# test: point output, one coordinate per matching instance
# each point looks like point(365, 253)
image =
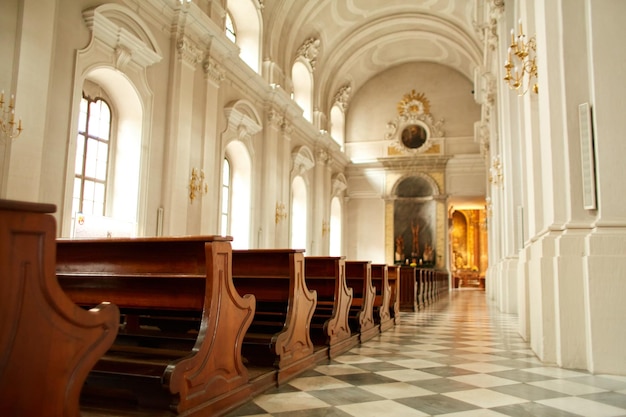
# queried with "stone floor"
point(459, 357)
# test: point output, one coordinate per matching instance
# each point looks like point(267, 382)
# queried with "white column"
point(605, 248)
point(177, 169)
point(29, 79)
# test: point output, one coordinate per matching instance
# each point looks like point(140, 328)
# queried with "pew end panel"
point(380, 281)
point(280, 330)
point(359, 278)
point(394, 284)
point(327, 276)
point(179, 347)
point(48, 344)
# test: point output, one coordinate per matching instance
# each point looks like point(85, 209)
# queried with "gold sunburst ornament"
point(413, 104)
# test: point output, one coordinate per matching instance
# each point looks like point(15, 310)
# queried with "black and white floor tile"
point(458, 357)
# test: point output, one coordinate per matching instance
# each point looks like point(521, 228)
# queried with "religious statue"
point(415, 229)
point(428, 254)
point(399, 248)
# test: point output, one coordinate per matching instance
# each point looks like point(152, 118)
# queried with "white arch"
point(121, 48)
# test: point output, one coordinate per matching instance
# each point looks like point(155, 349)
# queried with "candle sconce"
point(197, 185)
point(281, 213)
point(521, 63)
point(7, 118)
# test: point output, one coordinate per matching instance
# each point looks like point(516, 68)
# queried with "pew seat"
point(279, 336)
point(361, 319)
point(329, 327)
point(48, 344)
point(182, 321)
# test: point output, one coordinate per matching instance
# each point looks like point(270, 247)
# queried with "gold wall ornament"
point(325, 228)
point(495, 172)
point(521, 63)
point(7, 118)
point(413, 103)
point(197, 185)
point(281, 212)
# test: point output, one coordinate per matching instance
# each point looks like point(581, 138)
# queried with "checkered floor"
point(458, 357)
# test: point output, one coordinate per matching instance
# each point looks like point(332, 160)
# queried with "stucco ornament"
point(414, 127)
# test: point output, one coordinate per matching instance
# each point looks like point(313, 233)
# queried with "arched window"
point(238, 207)
point(298, 214)
point(335, 228)
point(337, 125)
point(229, 28)
point(244, 19)
point(92, 157)
point(226, 199)
point(302, 88)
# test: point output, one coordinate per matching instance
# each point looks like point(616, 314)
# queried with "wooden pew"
point(48, 344)
point(409, 288)
point(393, 275)
point(380, 281)
point(327, 276)
point(422, 284)
point(359, 278)
point(279, 336)
point(179, 346)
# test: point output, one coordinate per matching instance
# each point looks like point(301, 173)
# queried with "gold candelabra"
point(7, 118)
point(197, 185)
point(521, 64)
point(281, 213)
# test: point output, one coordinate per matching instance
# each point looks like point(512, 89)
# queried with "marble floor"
point(459, 357)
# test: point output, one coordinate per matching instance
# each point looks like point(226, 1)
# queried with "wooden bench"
point(279, 335)
point(48, 344)
point(327, 276)
point(183, 322)
point(409, 288)
point(393, 275)
point(359, 278)
point(380, 281)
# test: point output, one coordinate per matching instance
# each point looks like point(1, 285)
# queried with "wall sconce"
point(495, 172)
point(7, 118)
point(281, 213)
point(325, 228)
point(197, 184)
point(521, 65)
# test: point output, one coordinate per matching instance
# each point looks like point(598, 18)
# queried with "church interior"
point(470, 142)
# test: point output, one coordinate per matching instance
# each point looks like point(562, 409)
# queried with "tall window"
point(226, 197)
point(92, 156)
point(231, 33)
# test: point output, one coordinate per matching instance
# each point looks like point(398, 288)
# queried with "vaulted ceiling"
point(362, 38)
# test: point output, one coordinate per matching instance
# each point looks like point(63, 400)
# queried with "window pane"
point(226, 173)
point(89, 190)
point(224, 225)
point(98, 196)
point(92, 158)
point(225, 200)
point(80, 149)
point(105, 121)
point(94, 118)
point(82, 116)
point(230, 29)
point(101, 161)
